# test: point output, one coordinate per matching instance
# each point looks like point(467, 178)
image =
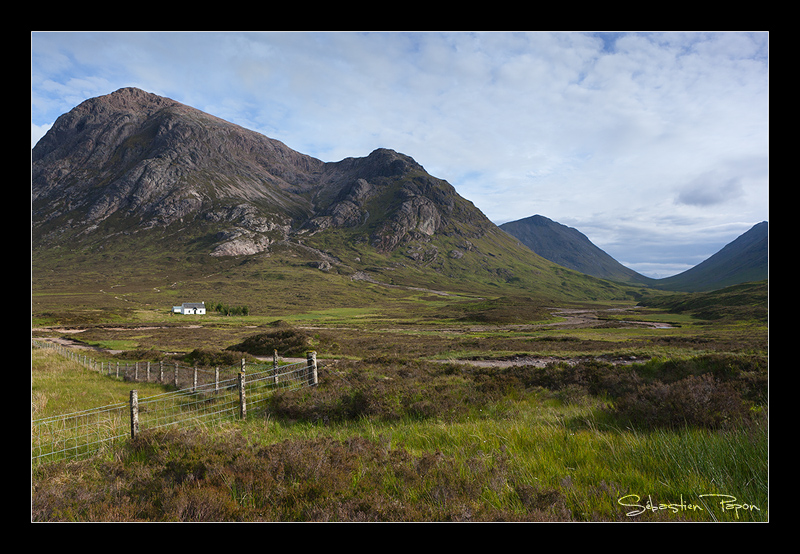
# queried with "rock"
point(323, 265)
point(241, 247)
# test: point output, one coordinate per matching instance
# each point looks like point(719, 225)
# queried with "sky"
point(653, 145)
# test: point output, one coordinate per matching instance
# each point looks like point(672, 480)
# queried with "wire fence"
point(207, 397)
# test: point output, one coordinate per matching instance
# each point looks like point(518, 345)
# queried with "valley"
point(462, 375)
point(355, 319)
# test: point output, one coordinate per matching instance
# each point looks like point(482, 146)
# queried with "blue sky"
point(654, 145)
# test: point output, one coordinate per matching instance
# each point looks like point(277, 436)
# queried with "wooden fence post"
point(275, 366)
point(134, 413)
point(216, 379)
point(176, 374)
point(311, 359)
point(242, 397)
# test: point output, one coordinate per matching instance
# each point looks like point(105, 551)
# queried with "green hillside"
point(744, 259)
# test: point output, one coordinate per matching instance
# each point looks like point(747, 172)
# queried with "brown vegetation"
point(187, 476)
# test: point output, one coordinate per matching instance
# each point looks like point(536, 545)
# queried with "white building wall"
point(190, 308)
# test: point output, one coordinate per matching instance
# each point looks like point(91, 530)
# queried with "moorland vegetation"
point(463, 409)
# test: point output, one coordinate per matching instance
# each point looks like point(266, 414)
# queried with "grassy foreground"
point(394, 439)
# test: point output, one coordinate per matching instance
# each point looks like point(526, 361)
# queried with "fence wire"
point(78, 435)
point(205, 399)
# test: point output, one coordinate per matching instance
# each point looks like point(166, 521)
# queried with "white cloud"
point(37, 132)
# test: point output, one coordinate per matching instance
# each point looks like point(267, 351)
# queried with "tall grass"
point(397, 440)
point(61, 386)
point(552, 446)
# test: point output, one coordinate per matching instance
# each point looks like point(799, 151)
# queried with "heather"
point(393, 439)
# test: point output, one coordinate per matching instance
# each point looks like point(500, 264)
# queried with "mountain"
point(570, 248)
point(135, 161)
point(743, 260)
point(147, 182)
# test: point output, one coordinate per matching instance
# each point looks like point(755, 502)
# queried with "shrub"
point(384, 389)
point(209, 358)
point(702, 400)
point(139, 354)
point(287, 341)
point(707, 391)
point(197, 476)
point(224, 309)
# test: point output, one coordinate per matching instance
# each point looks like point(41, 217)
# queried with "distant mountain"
point(138, 179)
point(743, 260)
point(570, 248)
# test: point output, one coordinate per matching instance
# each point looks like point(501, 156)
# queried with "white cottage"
point(190, 308)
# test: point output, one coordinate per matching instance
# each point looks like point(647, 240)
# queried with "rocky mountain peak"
point(133, 160)
point(117, 108)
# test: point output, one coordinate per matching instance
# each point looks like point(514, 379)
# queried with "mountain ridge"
point(569, 247)
point(132, 175)
point(140, 153)
point(742, 260)
point(132, 164)
point(120, 153)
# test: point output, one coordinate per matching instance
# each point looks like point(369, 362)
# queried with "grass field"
point(429, 408)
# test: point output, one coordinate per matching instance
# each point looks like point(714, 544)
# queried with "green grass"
point(744, 301)
point(397, 440)
point(62, 386)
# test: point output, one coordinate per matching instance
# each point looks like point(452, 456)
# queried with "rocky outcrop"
point(348, 210)
point(238, 245)
point(415, 219)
